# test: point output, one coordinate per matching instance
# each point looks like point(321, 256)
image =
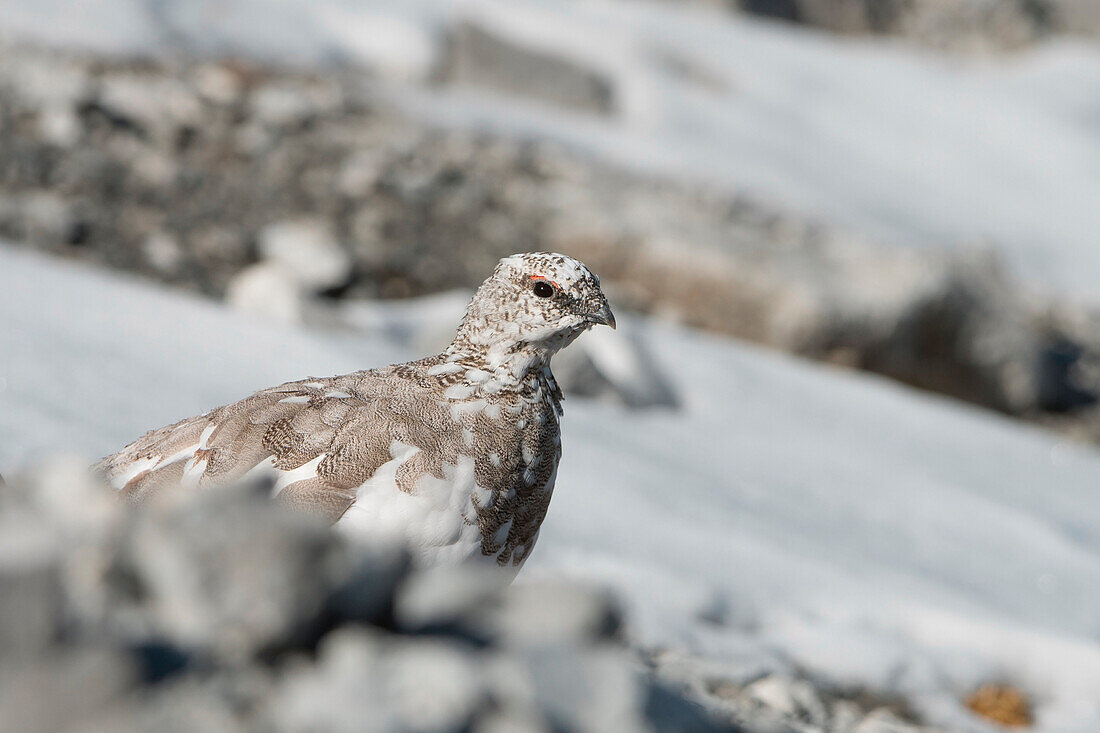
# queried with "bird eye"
point(542, 289)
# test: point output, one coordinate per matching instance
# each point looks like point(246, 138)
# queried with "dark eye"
point(543, 289)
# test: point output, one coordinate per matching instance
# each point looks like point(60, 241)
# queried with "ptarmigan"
point(455, 454)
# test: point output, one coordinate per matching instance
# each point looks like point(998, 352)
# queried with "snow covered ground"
point(901, 144)
point(789, 514)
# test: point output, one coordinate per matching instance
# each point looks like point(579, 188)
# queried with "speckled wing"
point(320, 438)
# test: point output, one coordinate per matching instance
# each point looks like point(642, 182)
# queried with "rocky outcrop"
point(476, 56)
point(962, 25)
point(278, 190)
point(224, 611)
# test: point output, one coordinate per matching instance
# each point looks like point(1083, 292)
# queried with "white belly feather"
point(436, 519)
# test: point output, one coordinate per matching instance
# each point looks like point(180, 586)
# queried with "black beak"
point(603, 316)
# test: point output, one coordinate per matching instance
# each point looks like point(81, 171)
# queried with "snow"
point(788, 514)
point(914, 148)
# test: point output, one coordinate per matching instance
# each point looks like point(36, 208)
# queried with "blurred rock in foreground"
point(223, 611)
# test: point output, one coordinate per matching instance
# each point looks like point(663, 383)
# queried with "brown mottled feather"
point(350, 422)
point(354, 434)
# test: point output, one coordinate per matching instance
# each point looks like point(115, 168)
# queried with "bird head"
point(536, 302)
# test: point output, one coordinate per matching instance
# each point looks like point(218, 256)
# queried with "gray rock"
point(480, 56)
point(268, 290)
point(64, 690)
point(364, 682)
point(182, 706)
point(449, 597)
point(794, 699)
point(512, 722)
point(163, 252)
point(473, 603)
point(32, 595)
point(615, 366)
point(220, 610)
point(217, 83)
point(149, 104)
point(360, 173)
point(555, 614)
point(309, 252)
point(172, 578)
point(884, 721)
point(58, 501)
point(54, 81)
point(846, 716)
point(585, 690)
point(845, 16)
point(1076, 16)
point(47, 216)
point(960, 25)
point(293, 102)
point(59, 125)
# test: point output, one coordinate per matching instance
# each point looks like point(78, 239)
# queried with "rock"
point(845, 16)
point(617, 366)
point(966, 25)
point(795, 699)
point(1060, 387)
point(1076, 16)
point(181, 706)
point(67, 689)
point(364, 682)
point(47, 217)
point(846, 716)
point(308, 250)
point(584, 690)
point(222, 610)
point(883, 721)
point(163, 252)
point(446, 598)
point(172, 579)
point(481, 57)
point(149, 104)
point(216, 83)
point(551, 614)
point(155, 168)
point(511, 721)
point(59, 126)
point(668, 710)
point(368, 589)
point(360, 173)
point(60, 494)
point(32, 593)
point(269, 290)
point(53, 81)
point(293, 101)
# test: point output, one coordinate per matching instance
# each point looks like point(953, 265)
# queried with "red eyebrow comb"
point(552, 282)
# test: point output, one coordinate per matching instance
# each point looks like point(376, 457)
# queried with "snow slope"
point(904, 145)
point(790, 514)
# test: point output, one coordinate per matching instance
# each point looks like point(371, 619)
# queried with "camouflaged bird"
point(455, 454)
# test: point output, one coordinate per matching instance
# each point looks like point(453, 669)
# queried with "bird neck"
point(502, 347)
point(510, 363)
